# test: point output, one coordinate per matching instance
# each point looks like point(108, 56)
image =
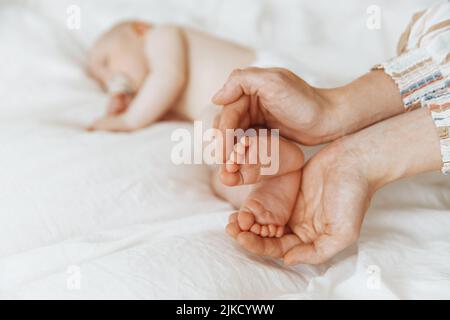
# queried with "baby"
point(153, 71)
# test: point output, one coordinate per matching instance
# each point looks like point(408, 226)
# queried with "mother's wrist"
point(399, 147)
point(367, 100)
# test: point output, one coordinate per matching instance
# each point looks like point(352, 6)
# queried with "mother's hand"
point(278, 99)
point(274, 98)
point(339, 181)
point(330, 208)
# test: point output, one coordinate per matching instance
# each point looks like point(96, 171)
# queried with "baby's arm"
point(166, 54)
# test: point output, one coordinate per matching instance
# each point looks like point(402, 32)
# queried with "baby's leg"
point(246, 166)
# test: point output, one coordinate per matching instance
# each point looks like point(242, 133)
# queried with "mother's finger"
point(231, 118)
point(232, 115)
point(216, 120)
point(268, 247)
point(322, 249)
point(240, 82)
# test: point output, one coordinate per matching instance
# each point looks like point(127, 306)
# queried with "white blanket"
point(98, 215)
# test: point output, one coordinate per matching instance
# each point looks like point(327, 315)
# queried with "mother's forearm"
point(399, 147)
point(367, 100)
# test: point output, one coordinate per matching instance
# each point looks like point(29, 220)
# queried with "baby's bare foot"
point(257, 158)
point(268, 208)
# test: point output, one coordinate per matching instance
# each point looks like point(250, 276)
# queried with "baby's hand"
point(114, 123)
point(114, 119)
point(118, 104)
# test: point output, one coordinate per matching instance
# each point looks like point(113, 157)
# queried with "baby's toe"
point(272, 230)
point(230, 179)
point(245, 220)
point(280, 232)
point(267, 231)
point(240, 148)
point(232, 166)
point(238, 154)
point(256, 229)
point(245, 141)
point(264, 231)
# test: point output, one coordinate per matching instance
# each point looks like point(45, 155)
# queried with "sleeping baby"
point(153, 71)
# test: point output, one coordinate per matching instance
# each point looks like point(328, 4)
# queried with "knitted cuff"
point(417, 76)
point(422, 84)
point(440, 112)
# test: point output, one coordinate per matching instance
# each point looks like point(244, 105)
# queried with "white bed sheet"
point(110, 211)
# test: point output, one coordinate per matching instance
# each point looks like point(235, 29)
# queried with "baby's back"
point(211, 60)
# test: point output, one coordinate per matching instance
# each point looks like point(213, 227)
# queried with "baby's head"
point(118, 57)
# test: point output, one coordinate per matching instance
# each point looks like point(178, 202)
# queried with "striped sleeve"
point(421, 69)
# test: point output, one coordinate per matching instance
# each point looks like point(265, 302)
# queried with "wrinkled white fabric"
point(100, 215)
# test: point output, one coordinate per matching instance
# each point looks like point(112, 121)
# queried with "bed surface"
point(98, 215)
